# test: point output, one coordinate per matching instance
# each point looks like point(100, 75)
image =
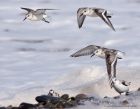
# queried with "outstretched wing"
point(80, 17)
point(110, 63)
point(89, 50)
point(27, 9)
point(42, 11)
point(103, 15)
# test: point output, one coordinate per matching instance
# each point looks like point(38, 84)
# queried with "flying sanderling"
point(93, 12)
point(110, 55)
point(120, 86)
point(36, 15)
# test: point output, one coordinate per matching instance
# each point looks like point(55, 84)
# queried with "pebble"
point(125, 102)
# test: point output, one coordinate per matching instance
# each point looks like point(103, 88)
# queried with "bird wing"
point(42, 11)
point(103, 15)
point(89, 50)
point(110, 62)
point(27, 9)
point(108, 65)
point(80, 17)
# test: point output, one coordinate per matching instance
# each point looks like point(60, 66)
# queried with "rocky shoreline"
point(54, 101)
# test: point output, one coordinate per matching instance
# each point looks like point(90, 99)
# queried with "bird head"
point(86, 11)
point(98, 52)
point(120, 54)
point(51, 92)
point(28, 16)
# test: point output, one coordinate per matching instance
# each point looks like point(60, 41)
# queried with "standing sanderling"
point(36, 15)
point(110, 55)
point(93, 12)
point(120, 86)
point(53, 93)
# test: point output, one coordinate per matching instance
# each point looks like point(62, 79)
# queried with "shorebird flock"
point(111, 56)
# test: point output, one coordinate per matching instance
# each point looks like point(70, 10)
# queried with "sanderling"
point(36, 15)
point(120, 86)
point(93, 12)
point(53, 93)
point(110, 55)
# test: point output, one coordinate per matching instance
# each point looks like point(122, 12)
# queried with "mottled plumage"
point(93, 12)
point(110, 56)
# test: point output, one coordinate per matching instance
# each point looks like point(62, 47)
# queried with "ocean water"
point(35, 56)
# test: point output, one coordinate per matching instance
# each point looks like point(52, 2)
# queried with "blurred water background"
point(35, 56)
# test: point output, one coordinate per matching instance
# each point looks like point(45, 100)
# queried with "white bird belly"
point(92, 14)
point(36, 18)
point(102, 55)
point(121, 88)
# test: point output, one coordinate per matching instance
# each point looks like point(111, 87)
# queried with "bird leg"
point(92, 55)
point(115, 64)
point(45, 20)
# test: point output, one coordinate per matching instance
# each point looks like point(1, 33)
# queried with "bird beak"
point(24, 19)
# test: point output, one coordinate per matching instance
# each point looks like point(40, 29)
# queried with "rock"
point(106, 97)
point(11, 107)
point(65, 97)
point(71, 103)
point(26, 106)
point(81, 97)
point(138, 89)
point(47, 98)
point(2, 107)
point(125, 102)
point(116, 97)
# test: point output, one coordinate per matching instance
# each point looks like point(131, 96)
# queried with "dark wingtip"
point(114, 29)
point(79, 26)
point(71, 55)
point(109, 16)
point(52, 9)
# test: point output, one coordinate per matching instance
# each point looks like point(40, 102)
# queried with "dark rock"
point(26, 106)
point(2, 107)
point(47, 98)
point(71, 103)
point(9, 107)
point(127, 93)
point(65, 97)
point(138, 89)
point(106, 97)
point(125, 102)
point(116, 97)
point(15, 108)
point(81, 96)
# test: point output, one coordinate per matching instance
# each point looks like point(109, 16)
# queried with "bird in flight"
point(93, 12)
point(36, 15)
point(110, 55)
